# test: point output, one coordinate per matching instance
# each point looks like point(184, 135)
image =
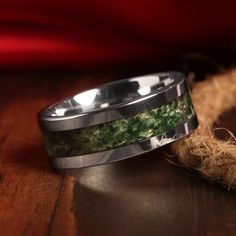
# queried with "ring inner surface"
point(110, 95)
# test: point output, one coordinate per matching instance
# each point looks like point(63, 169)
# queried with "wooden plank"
point(64, 222)
point(28, 188)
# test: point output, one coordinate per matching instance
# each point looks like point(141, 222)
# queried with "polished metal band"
point(113, 101)
point(118, 120)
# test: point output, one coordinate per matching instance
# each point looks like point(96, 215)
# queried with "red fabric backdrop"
point(78, 33)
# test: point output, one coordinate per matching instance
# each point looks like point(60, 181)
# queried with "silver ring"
point(118, 120)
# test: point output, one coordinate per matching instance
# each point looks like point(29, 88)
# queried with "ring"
point(118, 120)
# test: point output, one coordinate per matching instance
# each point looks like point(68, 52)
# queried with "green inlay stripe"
point(120, 132)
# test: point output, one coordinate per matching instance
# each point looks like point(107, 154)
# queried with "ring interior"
point(110, 95)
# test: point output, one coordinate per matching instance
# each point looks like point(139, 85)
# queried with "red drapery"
point(44, 33)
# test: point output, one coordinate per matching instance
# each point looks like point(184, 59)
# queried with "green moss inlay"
point(120, 132)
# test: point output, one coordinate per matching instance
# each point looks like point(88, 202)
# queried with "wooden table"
point(146, 195)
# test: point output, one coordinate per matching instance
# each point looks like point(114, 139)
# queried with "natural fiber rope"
point(213, 158)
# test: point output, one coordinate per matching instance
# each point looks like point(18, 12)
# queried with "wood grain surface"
point(146, 195)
